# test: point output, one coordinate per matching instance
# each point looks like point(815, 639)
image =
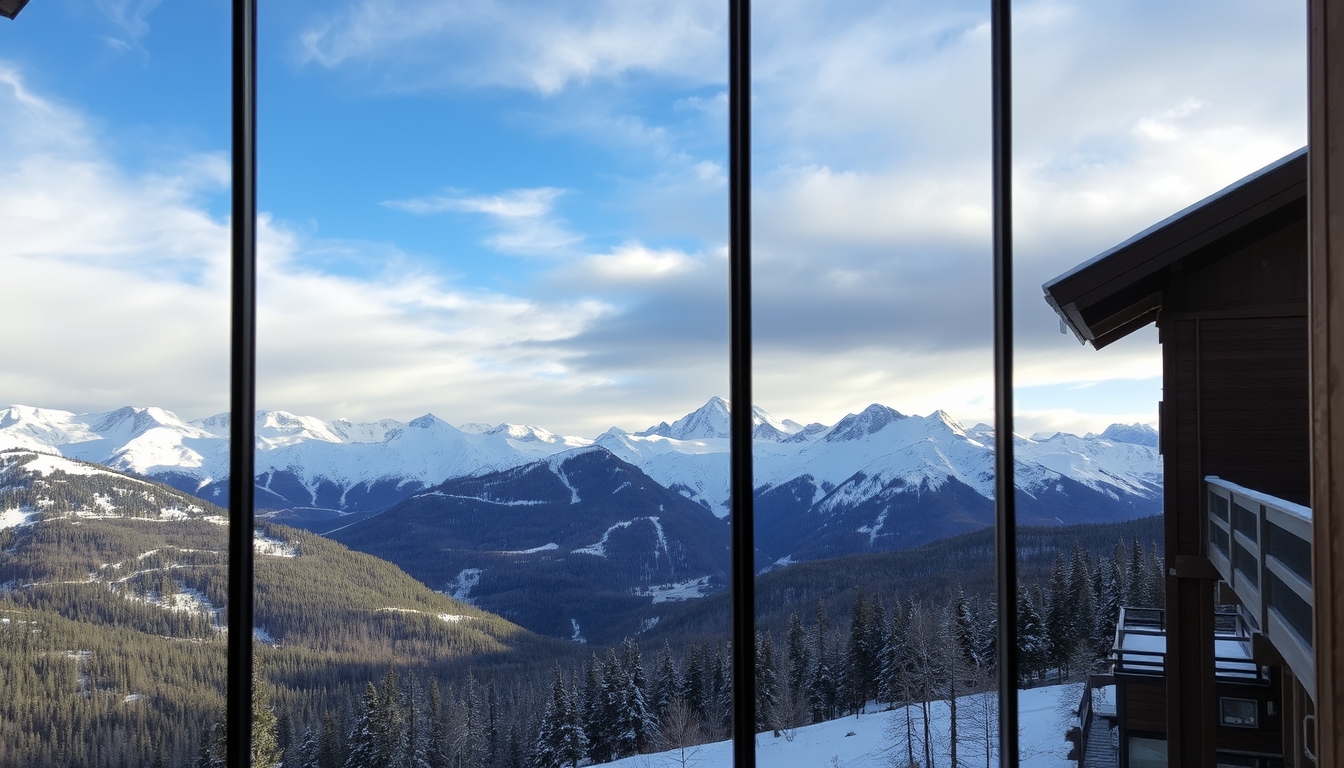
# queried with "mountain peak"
point(708, 421)
point(874, 418)
point(1138, 434)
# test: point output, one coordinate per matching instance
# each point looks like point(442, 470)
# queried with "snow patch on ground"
point(486, 499)
point(866, 741)
point(532, 551)
point(460, 587)
point(600, 548)
point(13, 518)
point(447, 618)
point(578, 635)
point(683, 590)
point(265, 545)
point(131, 698)
point(263, 636)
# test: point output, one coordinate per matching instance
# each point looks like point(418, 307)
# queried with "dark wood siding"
point(1234, 350)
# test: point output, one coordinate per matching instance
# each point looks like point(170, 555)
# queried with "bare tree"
point(680, 734)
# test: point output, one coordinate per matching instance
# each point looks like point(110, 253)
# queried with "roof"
point(1117, 292)
point(10, 8)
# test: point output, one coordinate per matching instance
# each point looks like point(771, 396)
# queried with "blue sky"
point(513, 211)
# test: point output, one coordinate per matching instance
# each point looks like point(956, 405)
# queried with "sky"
point(515, 211)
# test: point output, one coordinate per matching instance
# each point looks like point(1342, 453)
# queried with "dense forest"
point(112, 646)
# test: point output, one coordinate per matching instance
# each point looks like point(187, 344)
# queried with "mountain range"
point(576, 537)
point(343, 467)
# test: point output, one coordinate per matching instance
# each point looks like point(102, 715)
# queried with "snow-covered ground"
point(871, 741)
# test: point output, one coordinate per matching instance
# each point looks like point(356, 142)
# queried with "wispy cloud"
point(543, 47)
point(130, 17)
point(522, 217)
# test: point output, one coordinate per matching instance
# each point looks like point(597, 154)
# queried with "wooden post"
point(1326, 231)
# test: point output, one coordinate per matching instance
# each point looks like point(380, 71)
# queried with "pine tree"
point(857, 666)
point(1033, 639)
point(767, 685)
point(798, 657)
point(329, 743)
point(1059, 616)
point(636, 723)
point(561, 740)
point(266, 752)
point(594, 726)
point(663, 690)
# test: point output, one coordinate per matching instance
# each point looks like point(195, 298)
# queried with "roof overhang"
point(10, 8)
point(1117, 292)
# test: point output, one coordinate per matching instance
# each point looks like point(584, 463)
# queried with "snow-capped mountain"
point(810, 479)
point(577, 543)
point(302, 462)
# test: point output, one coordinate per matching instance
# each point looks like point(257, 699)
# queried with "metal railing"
point(1141, 646)
point(1261, 546)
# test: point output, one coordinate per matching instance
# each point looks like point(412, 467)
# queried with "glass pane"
point(114, 258)
point(1125, 115)
point(874, 458)
point(492, 361)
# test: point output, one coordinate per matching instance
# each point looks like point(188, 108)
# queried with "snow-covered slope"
point(876, 740)
point(342, 466)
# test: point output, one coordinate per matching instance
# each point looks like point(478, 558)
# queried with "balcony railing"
point(1261, 546)
point(1141, 646)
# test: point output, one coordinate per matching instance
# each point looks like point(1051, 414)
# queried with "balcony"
point(1261, 546)
point(1141, 646)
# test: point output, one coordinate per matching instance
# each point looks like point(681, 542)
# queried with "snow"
point(689, 456)
point(460, 587)
point(600, 548)
point(13, 518)
point(265, 545)
point(263, 636)
point(578, 634)
point(863, 742)
point(447, 618)
point(682, 590)
point(532, 551)
point(485, 498)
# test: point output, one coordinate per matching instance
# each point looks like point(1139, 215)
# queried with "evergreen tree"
point(1060, 612)
point(767, 686)
point(858, 665)
point(663, 690)
point(635, 722)
point(266, 752)
point(1033, 639)
point(798, 657)
point(595, 727)
point(561, 741)
point(329, 743)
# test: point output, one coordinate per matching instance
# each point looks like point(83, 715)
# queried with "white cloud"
point(117, 288)
point(130, 18)
point(543, 47)
point(522, 216)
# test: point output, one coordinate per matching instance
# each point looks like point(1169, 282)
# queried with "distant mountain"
point(572, 545)
point(875, 480)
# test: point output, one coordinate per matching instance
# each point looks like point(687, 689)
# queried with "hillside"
point(112, 613)
point(571, 546)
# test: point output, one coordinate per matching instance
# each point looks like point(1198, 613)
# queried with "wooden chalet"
point(1225, 675)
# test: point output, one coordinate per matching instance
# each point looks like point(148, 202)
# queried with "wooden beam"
point(1326, 232)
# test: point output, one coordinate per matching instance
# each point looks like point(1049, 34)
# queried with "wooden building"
point(1226, 282)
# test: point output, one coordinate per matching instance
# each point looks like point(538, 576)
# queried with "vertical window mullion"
point(242, 384)
point(742, 483)
point(1005, 503)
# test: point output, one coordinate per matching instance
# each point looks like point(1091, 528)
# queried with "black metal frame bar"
point(242, 386)
point(1005, 501)
point(743, 482)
